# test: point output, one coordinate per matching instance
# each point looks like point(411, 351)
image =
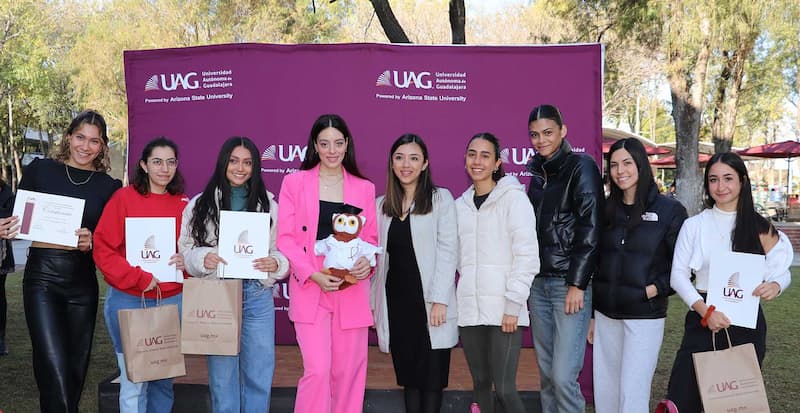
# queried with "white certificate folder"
point(243, 237)
point(48, 218)
point(732, 278)
point(149, 244)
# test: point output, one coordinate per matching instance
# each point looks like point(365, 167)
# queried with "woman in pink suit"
point(331, 324)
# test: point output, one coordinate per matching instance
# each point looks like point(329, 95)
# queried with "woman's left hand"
point(84, 239)
point(509, 323)
point(265, 264)
point(574, 301)
point(438, 314)
point(361, 269)
point(177, 259)
point(767, 290)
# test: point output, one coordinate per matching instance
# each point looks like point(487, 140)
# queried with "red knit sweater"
point(109, 239)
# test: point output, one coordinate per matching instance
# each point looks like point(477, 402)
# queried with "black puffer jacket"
point(632, 259)
point(567, 193)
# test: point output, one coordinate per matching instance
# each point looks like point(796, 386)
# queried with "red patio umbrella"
point(651, 150)
point(785, 149)
point(668, 162)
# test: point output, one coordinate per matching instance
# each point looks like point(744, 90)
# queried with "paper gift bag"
point(730, 380)
point(212, 316)
point(151, 343)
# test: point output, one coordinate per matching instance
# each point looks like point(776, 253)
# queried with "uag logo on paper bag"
point(153, 341)
point(724, 386)
point(243, 247)
point(149, 253)
point(173, 81)
point(404, 79)
point(732, 292)
point(209, 314)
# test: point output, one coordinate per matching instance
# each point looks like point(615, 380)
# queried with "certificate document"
point(149, 243)
point(48, 218)
point(243, 237)
point(732, 278)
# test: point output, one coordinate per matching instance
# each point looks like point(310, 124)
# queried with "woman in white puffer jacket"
point(497, 261)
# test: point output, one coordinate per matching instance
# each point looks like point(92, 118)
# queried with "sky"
point(490, 6)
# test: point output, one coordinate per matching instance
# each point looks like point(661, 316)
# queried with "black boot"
point(3, 346)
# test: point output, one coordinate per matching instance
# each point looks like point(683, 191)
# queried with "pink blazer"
point(298, 217)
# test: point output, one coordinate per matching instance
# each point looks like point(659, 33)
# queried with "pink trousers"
point(334, 363)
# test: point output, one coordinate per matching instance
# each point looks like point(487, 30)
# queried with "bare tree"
point(395, 33)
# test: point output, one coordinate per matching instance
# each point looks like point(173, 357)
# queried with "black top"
point(326, 211)
point(480, 199)
point(50, 176)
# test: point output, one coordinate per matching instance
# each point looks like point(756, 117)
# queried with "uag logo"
point(172, 82)
point(405, 79)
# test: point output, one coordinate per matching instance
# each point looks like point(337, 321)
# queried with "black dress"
point(415, 363)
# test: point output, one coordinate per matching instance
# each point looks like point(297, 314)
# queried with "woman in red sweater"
point(156, 191)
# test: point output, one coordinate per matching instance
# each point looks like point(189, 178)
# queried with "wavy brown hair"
point(101, 163)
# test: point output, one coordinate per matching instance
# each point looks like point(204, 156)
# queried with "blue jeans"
point(243, 383)
point(560, 343)
point(150, 396)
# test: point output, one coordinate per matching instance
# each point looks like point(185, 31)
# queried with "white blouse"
point(707, 233)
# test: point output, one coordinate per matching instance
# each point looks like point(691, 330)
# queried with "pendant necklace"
point(66, 168)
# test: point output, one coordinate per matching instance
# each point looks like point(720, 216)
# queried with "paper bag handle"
point(158, 297)
point(714, 341)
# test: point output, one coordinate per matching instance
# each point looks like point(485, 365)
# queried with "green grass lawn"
point(18, 391)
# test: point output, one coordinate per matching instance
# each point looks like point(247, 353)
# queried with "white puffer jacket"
point(498, 255)
point(194, 255)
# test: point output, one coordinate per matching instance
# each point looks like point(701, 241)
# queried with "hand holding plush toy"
point(343, 248)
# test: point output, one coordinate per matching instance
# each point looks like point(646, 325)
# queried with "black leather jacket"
point(567, 193)
point(631, 259)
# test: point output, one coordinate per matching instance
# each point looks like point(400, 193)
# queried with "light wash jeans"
point(150, 396)
point(243, 383)
point(560, 342)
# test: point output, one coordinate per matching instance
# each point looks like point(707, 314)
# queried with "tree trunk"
point(389, 22)
point(721, 144)
point(724, 126)
point(458, 17)
point(15, 167)
point(687, 84)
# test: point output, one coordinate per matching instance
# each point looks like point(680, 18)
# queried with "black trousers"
point(682, 388)
point(60, 296)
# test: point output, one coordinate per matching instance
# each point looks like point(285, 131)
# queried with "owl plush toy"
point(343, 248)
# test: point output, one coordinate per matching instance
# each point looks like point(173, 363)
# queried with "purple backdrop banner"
point(200, 96)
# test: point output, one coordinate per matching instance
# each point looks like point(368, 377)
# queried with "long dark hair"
point(749, 225)
point(423, 197)
point(206, 209)
point(140, 180)
point(643, 186)
point(312, 156)
point(497, 173)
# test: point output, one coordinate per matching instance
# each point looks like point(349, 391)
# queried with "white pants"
point(625, 358)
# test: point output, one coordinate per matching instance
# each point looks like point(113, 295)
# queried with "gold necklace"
point(66, 168)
